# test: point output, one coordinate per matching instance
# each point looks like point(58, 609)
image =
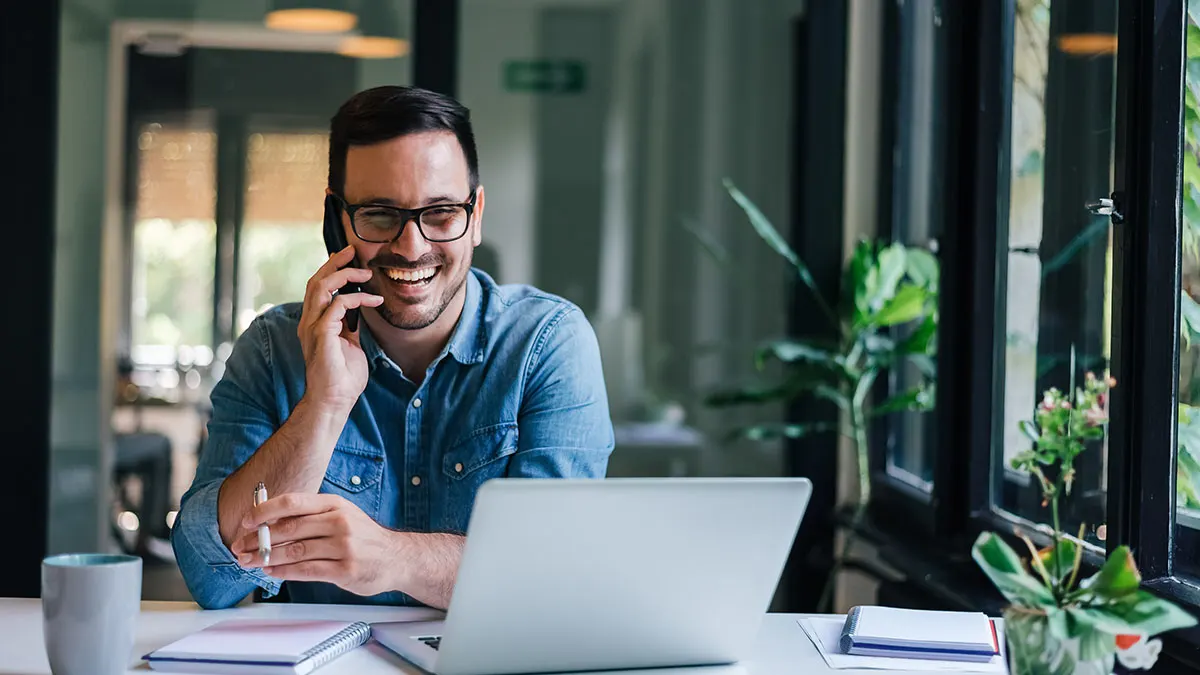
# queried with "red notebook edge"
point(995, 638)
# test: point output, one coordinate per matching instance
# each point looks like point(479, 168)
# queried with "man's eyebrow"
point(387, 201)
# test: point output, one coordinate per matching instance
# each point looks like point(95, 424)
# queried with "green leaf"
point(1117, 578)
point(923, 268)
point(1193, 41)
point(1142, 612)
point(1001, 564)
point(859, 281)
point(891, 271)
point(906, 305)
point(771, 236)
point(922, 340)
point(1189, 311)
point(1187, 493)
point(916, 399)
point(1191, 171)
point(925, 364)
point(1097, 638)
point(767, 432)
point(1060, 559)
point(792, 351)
point(1031, 431)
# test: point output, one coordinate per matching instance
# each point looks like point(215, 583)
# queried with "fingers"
point(287, 530)
point(320, 289)
point(290, 506)
point(330, 571)
point(321, 548)
point(331, 320)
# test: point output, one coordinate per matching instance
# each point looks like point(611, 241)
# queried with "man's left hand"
point(322, 537)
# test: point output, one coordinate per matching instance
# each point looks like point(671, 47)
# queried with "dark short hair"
point(383, 113)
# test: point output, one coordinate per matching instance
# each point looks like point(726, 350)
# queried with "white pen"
point(264, 534)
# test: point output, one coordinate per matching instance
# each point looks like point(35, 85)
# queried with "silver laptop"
point(570, 575)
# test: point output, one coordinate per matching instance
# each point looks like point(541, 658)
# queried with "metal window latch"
point(1106, 207)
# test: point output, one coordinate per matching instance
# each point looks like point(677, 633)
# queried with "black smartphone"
point(335, 240)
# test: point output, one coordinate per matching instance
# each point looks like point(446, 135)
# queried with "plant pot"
point(1033, 650)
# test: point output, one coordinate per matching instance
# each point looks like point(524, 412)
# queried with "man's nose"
point(411, 244)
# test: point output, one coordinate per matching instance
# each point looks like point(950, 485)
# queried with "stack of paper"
point(826, 633)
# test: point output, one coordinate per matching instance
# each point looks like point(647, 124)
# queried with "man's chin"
point(406, 316)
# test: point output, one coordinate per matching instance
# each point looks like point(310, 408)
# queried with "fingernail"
point(244, 559)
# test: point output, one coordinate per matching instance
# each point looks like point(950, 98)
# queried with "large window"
point(174, 248)
point(1187, 486)
point(1058, 295)
point(280, 244)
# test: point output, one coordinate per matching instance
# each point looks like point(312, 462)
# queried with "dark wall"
point(28, 113)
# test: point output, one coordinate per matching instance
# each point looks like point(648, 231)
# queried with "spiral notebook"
point(919, 634)
point(260, 646)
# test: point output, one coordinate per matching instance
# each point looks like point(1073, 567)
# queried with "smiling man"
point(373, 443)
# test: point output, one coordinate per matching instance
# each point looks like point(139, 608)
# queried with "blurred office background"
point(170, 158)
point(192, 156)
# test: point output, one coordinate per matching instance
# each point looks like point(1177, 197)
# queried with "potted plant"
point(1057, 623)
point(885, 318)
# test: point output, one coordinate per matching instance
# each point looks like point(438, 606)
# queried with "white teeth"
point(410, 275)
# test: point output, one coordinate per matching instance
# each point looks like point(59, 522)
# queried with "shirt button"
point(416, 403)
point(416, 480)
point(355, 480)
point(458, 467)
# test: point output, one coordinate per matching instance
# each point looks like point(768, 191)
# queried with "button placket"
point(416, 499)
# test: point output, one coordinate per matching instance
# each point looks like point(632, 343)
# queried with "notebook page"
point(906, 626)
point(253, 640)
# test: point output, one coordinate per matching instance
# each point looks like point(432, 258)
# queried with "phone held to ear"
point(335, 240)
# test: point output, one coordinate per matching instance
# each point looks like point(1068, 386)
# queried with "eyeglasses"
point(381, 224)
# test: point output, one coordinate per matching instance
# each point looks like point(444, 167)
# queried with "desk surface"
point(782, 648)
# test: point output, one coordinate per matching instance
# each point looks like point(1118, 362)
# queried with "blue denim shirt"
point(518, 391)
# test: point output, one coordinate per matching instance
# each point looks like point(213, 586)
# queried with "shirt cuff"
point(197, 525)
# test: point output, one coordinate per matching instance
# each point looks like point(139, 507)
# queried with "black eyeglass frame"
point(408, 215)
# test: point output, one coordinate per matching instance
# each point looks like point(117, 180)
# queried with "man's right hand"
point(335, 365)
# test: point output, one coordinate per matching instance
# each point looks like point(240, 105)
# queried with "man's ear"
point(477, 226)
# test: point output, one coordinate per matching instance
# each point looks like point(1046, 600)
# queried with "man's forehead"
point(407, 169)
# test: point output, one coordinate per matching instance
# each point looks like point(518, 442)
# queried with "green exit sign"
point(545, 76)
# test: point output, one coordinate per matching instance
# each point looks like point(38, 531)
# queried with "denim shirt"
point(517, 392)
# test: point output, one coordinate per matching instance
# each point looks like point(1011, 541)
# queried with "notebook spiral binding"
point(849, 629)
point(345, 640)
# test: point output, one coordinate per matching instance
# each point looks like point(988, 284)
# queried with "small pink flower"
point(1047, 403)
point(1094, 416)
point(1066, 405)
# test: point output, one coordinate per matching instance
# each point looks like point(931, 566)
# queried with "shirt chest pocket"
point(356, 476)
point(478, 457)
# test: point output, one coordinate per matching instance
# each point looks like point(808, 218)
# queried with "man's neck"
point(414, 350)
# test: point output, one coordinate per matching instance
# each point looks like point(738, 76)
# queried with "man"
point(373, 444)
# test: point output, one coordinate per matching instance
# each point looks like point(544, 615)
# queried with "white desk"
point(782, 649)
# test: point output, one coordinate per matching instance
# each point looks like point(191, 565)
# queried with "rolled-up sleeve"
point(564, 427)
point(242, 420)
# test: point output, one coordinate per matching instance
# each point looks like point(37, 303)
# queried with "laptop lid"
point(576, 574)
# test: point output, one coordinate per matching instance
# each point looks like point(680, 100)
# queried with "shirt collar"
point(466, 344)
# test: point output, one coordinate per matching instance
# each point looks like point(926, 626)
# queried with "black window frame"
point(1142, 450)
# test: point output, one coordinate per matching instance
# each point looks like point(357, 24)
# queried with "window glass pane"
point(916, 213)
point(1057, 314)
point(280, 245)
point(1187, 486)
point(174, 239)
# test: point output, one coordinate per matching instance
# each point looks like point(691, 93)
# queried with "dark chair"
point(146, 456)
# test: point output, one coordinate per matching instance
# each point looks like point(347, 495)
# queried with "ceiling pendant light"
point(382, 33)
point(311, 16)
